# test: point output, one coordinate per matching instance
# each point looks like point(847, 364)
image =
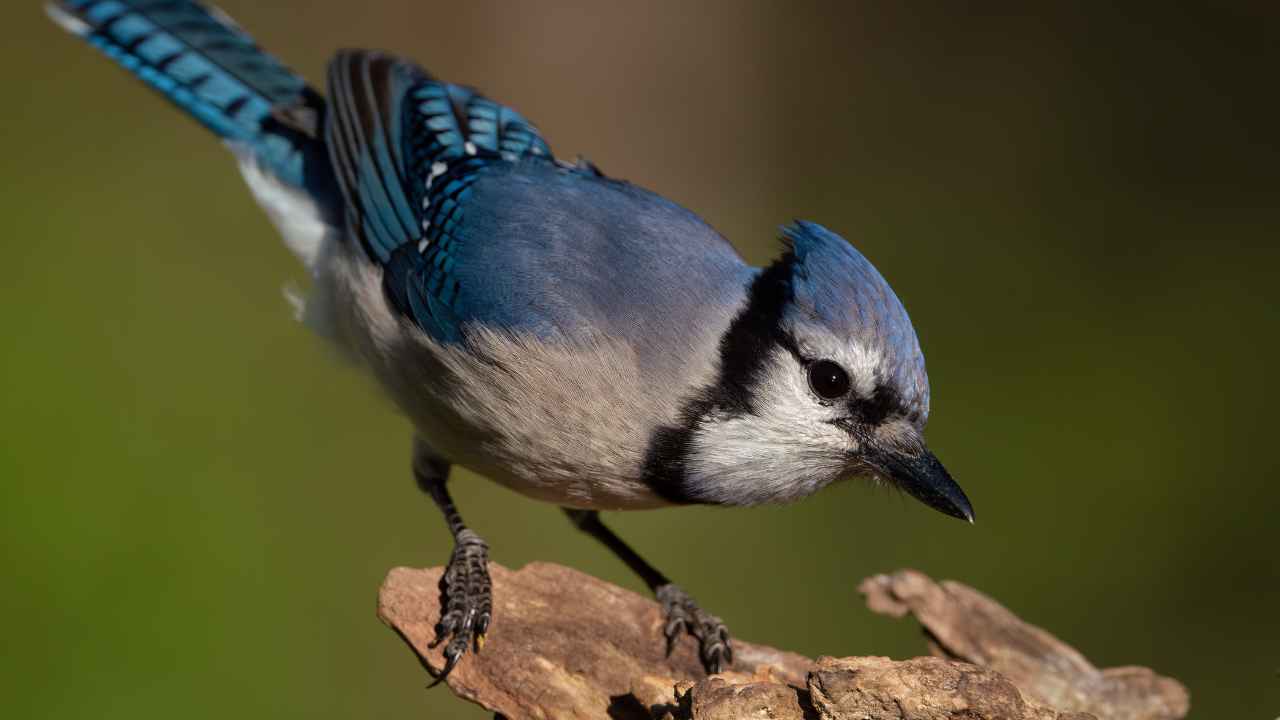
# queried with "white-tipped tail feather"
point(66, 20)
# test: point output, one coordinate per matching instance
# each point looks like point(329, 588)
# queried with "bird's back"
point(454, 198)
point(475, 224)
point(560, 251)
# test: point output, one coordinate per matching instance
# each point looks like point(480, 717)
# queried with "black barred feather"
point(201, 61)
point(407, 150)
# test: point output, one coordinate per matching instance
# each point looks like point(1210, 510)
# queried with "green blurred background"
point(1079, 208)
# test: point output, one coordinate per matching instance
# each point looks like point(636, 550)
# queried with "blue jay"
point(575, 338)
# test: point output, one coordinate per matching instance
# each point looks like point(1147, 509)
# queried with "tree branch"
point(566, 645)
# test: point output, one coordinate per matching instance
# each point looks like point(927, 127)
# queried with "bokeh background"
point(1078, 206)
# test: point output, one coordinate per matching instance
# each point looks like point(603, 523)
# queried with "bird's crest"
point(835, 285)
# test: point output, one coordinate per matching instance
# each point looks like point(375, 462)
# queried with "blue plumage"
point(431, 173)
point(408, 150)
point(582, 253)
point(832, 281)
point(205, 65)
point(475, 222)
point(577, 338)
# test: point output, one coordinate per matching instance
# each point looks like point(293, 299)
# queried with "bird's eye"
point(828, 380)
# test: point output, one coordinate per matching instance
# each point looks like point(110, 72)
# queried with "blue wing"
point(456, 197)
point(460, 201)
point(207, 66)
point(407, 150)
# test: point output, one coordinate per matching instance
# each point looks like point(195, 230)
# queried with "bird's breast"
point(565, 414)
point(565, 420)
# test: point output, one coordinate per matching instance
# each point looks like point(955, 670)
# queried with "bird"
point(569, 335)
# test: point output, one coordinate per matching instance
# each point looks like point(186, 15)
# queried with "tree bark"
point(566, 645)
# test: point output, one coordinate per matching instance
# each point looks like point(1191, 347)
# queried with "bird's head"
point(821, 377)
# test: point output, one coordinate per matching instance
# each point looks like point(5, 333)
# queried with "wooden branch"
point(566, 645)
point(963, 624)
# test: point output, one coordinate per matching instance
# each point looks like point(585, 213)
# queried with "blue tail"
point(207, 66)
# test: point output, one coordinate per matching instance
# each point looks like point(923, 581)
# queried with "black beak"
point(926, 480)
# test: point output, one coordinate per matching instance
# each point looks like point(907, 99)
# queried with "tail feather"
point(207, 66)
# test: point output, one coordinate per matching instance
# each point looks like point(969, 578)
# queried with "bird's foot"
point(466, 599)
point(682, 614)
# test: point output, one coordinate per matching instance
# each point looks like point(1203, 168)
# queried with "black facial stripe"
point(883, 403)
point(746, 343)
point(790, 345)
point(743, 349)
point(867, 413)
point(664, 463)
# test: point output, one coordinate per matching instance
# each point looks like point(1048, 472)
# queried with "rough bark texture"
point(566, 645)
point(963, 624)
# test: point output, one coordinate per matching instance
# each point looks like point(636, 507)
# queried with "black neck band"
point(743, 349)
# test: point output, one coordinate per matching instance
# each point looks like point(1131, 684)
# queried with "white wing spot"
point(437, 169)
point(470, 147)
point(67, 21)
point(422, 246)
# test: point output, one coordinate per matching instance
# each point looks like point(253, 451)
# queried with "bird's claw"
point(466, 601)
point(684, 615)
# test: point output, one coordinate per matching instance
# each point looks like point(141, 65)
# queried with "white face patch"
point(791, 444)
point(860, 361)
point(786, 450)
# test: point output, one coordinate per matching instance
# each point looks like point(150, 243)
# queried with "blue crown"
point(837, 286)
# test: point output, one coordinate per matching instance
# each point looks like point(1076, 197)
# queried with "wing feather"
point(407, 149)
point(367, 89)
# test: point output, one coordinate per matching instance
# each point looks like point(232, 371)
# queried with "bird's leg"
point(681, 612)
point(466, 598)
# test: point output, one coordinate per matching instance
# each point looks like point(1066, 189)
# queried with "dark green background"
point(1079, 208)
